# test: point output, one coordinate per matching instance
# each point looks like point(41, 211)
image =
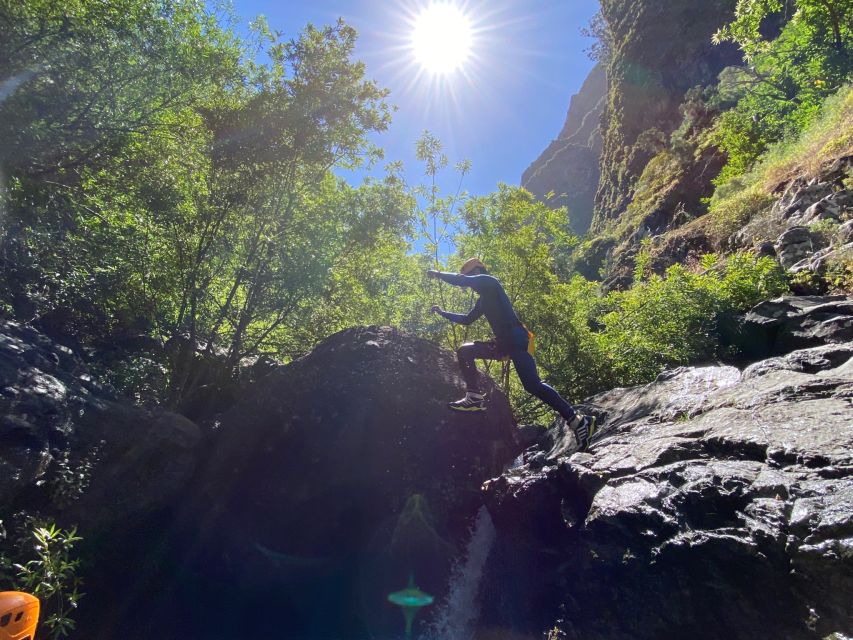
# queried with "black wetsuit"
point(510, 339)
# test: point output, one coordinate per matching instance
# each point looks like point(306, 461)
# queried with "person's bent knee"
point(464, 350)
point(533, 387)
point(465, 353)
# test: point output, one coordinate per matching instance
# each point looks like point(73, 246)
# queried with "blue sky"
point(500, 110)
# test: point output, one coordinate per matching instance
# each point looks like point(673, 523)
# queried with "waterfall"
point(458, 614)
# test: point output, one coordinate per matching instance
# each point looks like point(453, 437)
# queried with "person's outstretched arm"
point(477, 283)
point(460, 318)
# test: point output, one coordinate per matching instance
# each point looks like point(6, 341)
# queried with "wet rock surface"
point(778, 326)
point(714, 503)
point(311, 499)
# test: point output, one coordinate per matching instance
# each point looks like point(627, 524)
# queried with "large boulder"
point(72, 449)
point(713, 503)
point(778, 326)
point(330, 482)
point(74, 452)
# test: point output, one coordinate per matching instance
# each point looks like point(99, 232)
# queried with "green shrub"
point(672, 320)
point(839, 272)
point(778, 93)
point(51, 575)
point(596, 341)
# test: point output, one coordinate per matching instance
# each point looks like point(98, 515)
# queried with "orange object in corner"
point(19, 615)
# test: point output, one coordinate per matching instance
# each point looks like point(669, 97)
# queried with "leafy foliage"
point(51, 576)
point(601, 48)
point(671, 320)
point(738, 199)
point(793, 63)
point(184, 190)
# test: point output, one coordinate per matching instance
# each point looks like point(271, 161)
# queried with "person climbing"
point(512, 340)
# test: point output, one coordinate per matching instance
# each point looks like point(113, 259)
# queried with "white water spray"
point(458, 614)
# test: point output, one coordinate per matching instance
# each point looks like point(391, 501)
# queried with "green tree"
point(185, 188)
point(794, 61)
point(79, 76)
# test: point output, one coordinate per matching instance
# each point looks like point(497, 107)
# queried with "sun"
point(442, 38)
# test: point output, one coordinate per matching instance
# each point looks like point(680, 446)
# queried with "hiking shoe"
point(583, 427)
point(471, 402)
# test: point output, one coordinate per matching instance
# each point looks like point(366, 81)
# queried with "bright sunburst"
point(442, 38)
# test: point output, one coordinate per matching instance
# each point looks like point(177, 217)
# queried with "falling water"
point(456, 618)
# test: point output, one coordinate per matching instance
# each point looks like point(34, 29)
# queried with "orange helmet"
point(19, 614)
point(470, 264)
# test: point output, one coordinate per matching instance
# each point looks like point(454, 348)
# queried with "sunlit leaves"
point(797, 54)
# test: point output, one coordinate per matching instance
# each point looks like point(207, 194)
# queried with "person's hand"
point(435, 309)
point(432, 273)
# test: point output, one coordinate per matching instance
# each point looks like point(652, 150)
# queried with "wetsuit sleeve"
point(477, 283)
point(464, 318)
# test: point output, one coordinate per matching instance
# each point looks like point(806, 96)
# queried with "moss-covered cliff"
point(660, 50)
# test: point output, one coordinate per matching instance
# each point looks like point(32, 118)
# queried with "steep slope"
point(566, 173)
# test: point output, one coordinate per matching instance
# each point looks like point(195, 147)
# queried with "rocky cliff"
point(806, 224)
point(70, 447)
point(566, 173)
point(715, 502)
point(660, 50)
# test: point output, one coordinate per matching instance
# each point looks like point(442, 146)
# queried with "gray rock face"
point(713, 503)
point(566, 173)
point(61, 433)
point(794, 245)
point(331, 480)
point(778, 326)
point(819, 261)
point(75, 453)
point(810, 222)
